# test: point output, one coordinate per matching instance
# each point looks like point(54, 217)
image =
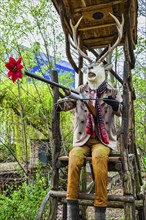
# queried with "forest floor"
point(111, 214)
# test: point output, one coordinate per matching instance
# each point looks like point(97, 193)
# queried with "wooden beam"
point(83, 3)
point(65, 158)
point(56, 134)
point(86, 196)
point(65, 28)
point(94, 7)
point(110, 204)
point(101, 39)
point(129, 36)
point(98, 45)
point(97, 27)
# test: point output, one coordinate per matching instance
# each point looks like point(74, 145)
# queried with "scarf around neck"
point(100, 127)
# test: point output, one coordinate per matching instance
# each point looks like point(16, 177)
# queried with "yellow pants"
point(99, 154)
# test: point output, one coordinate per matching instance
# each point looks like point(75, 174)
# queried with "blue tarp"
point(61, 67)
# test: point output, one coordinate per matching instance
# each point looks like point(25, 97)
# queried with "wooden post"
point(134, 168)
point(126, 142)
point(56, 136)
point(62, 16)
point(134, 179)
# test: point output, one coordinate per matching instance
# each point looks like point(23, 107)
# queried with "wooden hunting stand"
point(98, 30)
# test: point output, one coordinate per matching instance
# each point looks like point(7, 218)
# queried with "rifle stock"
point(91, 109)
point(69, 92)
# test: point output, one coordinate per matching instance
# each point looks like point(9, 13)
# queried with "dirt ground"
point(111, 214)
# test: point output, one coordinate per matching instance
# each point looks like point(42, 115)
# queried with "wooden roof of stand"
point(97, 28)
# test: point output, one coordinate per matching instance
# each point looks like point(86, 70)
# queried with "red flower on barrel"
point(14, 67)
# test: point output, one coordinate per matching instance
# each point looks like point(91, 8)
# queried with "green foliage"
point(140, 108)
point(66, 79)
point(24, 202)
point(25, 112)
point(139, 79)
point(67, 129)
point(26, 23)
point(28, 29)
point(28, 106)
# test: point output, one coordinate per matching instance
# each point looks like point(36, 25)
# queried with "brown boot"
point(72, 210)
point(100, 213)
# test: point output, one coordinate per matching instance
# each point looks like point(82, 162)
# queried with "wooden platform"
point(114, 163)
point(97, 28)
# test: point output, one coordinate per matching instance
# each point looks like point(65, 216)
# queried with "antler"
point(120, 33)
point(74, 30)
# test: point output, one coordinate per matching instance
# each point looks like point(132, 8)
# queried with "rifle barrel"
point(48, 81)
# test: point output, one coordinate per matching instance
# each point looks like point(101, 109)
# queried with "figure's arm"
point(69, 102)
point(65, 104)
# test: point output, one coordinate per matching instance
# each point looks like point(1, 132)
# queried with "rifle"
point(69, 92)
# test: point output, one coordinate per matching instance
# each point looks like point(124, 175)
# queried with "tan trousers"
point(99, 154)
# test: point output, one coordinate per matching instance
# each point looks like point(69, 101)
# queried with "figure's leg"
point(76, 161)
point(100, 155)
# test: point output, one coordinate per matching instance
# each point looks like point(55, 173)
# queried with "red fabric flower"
point(14, 67)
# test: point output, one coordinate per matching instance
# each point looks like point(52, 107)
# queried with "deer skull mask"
point(96, 74)
point(96, 70)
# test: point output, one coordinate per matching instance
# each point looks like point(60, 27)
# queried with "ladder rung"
point(86, 196)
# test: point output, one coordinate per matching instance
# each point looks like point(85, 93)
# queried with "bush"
point(24, 202)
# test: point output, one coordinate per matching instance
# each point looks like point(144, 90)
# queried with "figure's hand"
point(65, 104)
point(112, 102)
point(59, 105)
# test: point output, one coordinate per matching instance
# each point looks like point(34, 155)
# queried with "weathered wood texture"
point(114, 201)
point(97, 28)
point(56, 134)
point(131, 177)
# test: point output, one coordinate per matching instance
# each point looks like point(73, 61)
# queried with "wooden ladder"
point(133, 202)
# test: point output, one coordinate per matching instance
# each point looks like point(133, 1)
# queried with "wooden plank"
point(110, 204)
point(88, 16)
point(111, 159)
point(95, 7)
point(83, 3)
point(86, 196)
point(99, 40)
point(91, 28)
point(68, 9)
point(114, 163)
point(96, 27)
